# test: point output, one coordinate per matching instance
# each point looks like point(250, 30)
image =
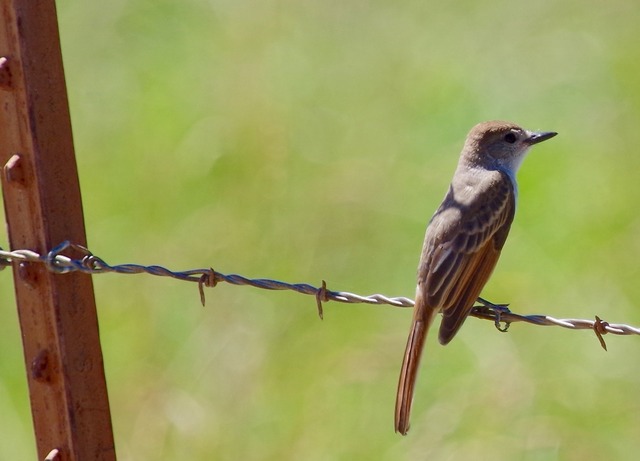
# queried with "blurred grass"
point(313, 140)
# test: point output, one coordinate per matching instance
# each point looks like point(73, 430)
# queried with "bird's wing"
point(462, 246)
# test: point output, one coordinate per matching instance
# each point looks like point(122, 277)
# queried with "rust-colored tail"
point(404, 398)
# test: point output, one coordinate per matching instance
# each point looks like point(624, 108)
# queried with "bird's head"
point(503, 145)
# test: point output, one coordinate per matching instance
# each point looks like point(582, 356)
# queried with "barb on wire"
point(88, 263)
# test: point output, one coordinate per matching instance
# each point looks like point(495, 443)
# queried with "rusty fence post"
point(57, 313)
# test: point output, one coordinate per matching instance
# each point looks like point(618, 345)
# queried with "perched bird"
point(463, 241)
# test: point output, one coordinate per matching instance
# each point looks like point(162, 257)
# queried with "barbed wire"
point(86, 262)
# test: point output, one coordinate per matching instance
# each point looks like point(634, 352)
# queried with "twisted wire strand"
point(88, 263)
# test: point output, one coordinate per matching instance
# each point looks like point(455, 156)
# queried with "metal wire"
point(88, 263)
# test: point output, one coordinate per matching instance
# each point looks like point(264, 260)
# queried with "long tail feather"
point(410, 364)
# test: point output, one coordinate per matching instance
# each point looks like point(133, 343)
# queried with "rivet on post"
point(14, 170)
point(54, 455)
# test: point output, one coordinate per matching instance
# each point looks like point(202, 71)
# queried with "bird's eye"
point(510, 138)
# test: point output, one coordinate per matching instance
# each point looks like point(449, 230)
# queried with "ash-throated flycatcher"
point(463, 241)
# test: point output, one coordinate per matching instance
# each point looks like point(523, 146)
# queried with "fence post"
point(57, 313)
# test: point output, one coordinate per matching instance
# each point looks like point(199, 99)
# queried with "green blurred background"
point(307, 140)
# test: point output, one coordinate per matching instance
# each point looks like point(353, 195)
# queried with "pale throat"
point(511, 166)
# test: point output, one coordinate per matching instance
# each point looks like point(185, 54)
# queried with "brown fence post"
point(43, 207)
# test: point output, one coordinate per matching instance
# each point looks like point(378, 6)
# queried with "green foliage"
point(312, 140)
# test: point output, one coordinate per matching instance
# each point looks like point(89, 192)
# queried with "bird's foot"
point(497, 311)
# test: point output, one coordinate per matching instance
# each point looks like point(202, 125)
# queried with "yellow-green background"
point(310, 140)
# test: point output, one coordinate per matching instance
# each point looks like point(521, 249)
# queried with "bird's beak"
point(536, 137)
